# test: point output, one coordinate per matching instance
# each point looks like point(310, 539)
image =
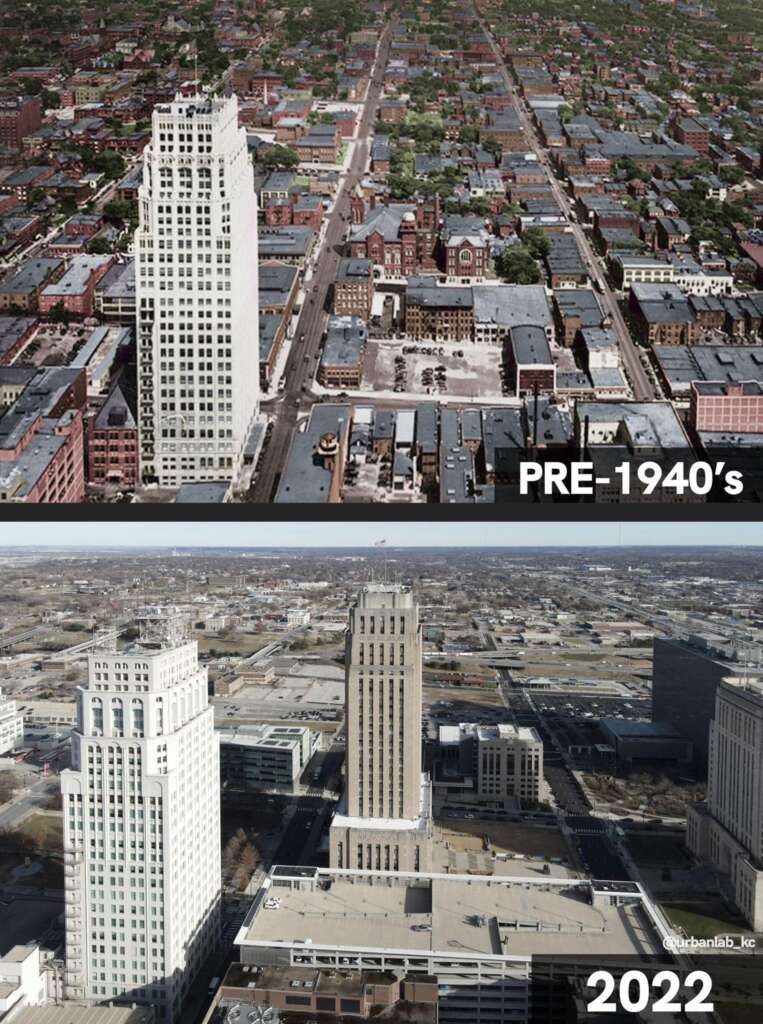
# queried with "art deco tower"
point(141, 806)
point(196, 292)
point(385, 823)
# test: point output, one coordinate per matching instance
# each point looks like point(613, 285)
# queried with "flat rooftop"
point(451, 915)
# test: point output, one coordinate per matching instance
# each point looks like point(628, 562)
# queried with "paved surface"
point(303, 832)
point(14, 813)
point(640, 382)
point(296, 400)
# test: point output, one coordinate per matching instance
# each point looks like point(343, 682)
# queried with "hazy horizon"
point(338, 535)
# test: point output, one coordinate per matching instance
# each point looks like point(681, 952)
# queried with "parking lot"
point(463, 370)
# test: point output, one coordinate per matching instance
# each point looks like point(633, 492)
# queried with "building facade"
point(141, 809)
point(734, 407)
point(196, 294)
point(490, 762)
point(686, 675)
point(727, 830)
point(384, 821)
point(11, 725)
point(265, 756)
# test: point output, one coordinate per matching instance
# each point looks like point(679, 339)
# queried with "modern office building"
point(384, 821)
point(196, 293)
point(11, 724)
point(141, 810)
point(478, 935)
point(492, 763)
point(727, 829)
point(265, 756)
point(686, 675)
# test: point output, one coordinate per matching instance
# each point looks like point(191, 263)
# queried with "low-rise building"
point(113, 440)
point(42, 435)
point(499, 308)
point(265, 756)
point(438, 313)
point(732, 407)
point(75, 290)
point(22, 289)
point(344, 351)
point(529, 360)
point(662, 315)
point(354, 288)
point(493, 763)
point(15, 332)
point(326, 995)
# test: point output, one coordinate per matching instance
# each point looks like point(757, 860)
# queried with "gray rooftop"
point(29, 276)
point(511, 305)
point(345, 340)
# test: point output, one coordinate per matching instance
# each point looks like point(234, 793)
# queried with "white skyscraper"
point(11, 724)
point(141, 806)
point(385, 820)
point(196, 291)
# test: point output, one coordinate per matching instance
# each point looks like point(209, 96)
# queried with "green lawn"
point(703, 920)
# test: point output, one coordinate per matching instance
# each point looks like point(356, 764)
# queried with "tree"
point(50, 100)
point(731, 174)
point(516, 265)
point(280, 156)
point(59, 314)
point(536, 241)
point(99, 247)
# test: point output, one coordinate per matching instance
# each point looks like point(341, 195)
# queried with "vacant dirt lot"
point(505, 837)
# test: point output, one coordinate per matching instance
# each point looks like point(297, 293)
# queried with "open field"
point(242, 644)
point(484, 696)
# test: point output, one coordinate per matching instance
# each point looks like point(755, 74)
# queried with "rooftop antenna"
point(383, 544)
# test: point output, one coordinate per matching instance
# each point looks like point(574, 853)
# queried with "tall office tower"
point(141, 806)
point(196, 292)
point(385, 820)
point(11, 724)
point(727, 830)
point(686, 674)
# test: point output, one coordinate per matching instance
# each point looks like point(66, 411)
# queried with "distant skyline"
point(396, 534)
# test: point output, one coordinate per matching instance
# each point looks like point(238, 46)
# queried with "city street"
point(641, 384)
point(302, 362)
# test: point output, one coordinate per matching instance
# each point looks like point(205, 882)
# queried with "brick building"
point(42, 451)
point(733, 408)
point(438, 313)
point(399, 237)
point(529, 360)
point(75, 290)
point(19, 116)
point(113, 441)
point(354, 288)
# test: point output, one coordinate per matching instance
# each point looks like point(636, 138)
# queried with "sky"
point(400, 534)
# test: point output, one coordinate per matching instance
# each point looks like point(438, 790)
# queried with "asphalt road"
point(301, 364)
point(641, 384)
point(303, 832)
point(36, 795)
